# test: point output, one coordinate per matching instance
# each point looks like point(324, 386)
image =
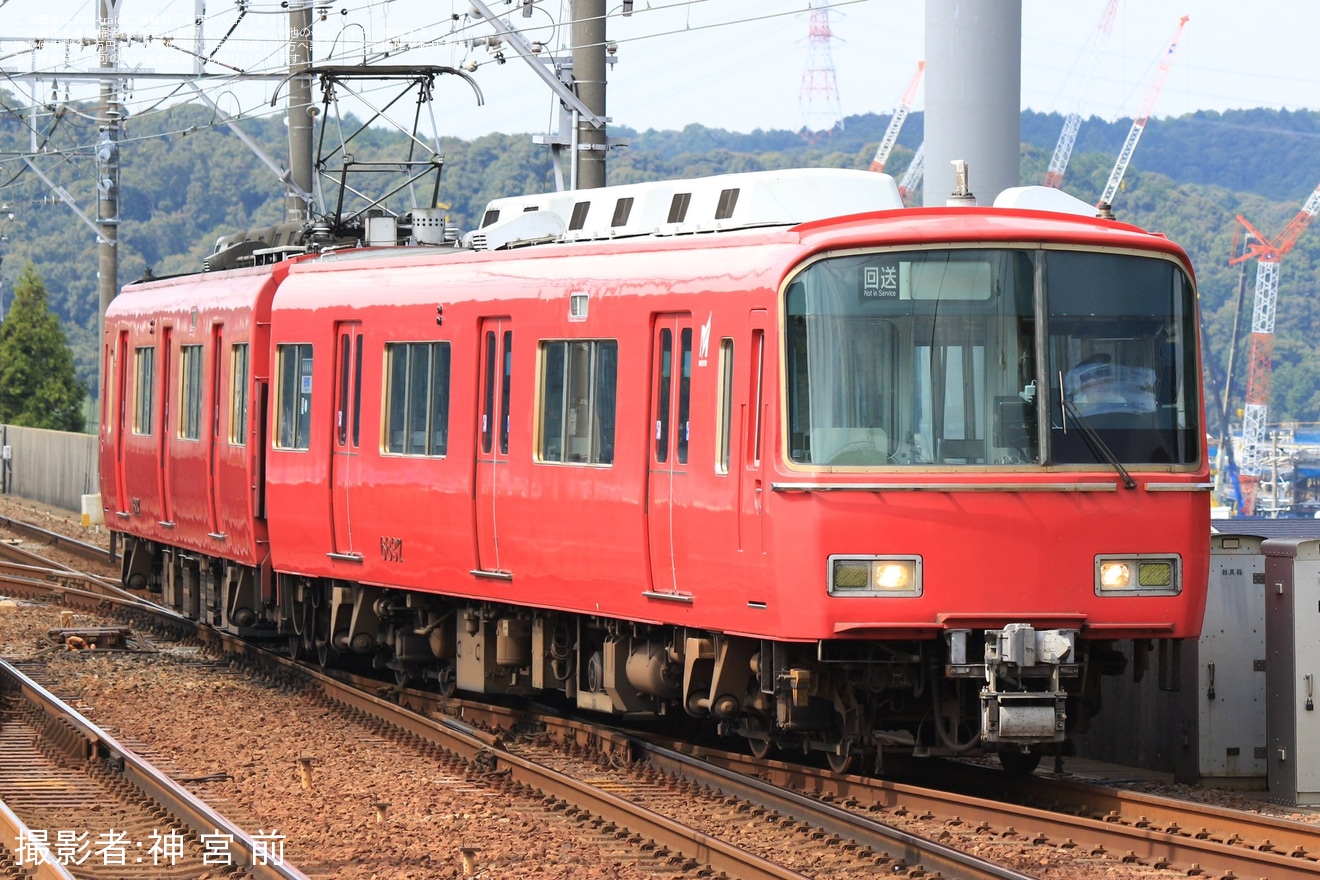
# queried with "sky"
point(733, 64)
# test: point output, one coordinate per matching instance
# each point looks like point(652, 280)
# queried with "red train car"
point(892, 480)
point(183, 436)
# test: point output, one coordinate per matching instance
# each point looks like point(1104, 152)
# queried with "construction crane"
point(1268, 253)
point(912, 176)
point(1147, 105)
point(1068, 137)
point(896, 121)
point(1226, 463)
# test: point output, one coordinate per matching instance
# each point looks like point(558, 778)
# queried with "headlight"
point(875, 575)
point(1138, 575)
point(1114, 575)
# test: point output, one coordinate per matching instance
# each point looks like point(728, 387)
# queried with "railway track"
point(659, 811)
point(59, 771)
point(54, 539)
point(821, 840)
point(1190, 838)
point(1297, 840)
point(1047, 815)
point(628, 814)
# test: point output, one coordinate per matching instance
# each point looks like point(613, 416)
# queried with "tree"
point(38, 387)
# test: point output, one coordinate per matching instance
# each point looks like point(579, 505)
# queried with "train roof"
point(233, 289)
point(783, 197)
point(798, 211)
point(887, 227)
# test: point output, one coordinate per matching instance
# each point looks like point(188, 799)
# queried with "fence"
point(52, 467)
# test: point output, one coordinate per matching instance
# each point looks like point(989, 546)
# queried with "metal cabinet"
point(1292, 637)
point(1230, 661)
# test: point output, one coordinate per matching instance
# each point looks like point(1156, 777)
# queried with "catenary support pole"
point(589, 83)
point(107, 168)
point(296, 208)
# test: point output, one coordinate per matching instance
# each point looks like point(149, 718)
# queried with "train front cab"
point(994, 468)
point(182, 441)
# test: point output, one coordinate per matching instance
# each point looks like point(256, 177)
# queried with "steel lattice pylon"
point(818, 96)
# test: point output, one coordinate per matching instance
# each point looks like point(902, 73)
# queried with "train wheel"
point(760, 748)
point(446, 680)
point(317, 632)
point(402, 677)
point(841, 763)
point(295, 647)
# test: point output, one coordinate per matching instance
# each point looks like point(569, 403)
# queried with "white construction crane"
point(896, 121)
point(912, 176)
point(1147, 105)
point(1068, 137)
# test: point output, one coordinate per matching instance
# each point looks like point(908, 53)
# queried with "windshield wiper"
point(1099, 448)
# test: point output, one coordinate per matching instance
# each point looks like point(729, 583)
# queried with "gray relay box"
point(1292, 637)
point(1230, 668)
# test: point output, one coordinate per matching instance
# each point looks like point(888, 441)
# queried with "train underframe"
point(1015, 691)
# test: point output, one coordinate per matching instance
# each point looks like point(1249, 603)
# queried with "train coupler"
point(1023, 700)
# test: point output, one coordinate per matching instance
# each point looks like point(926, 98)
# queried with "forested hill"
point(187, 180)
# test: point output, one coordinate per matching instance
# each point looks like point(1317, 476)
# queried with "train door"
point(123, 363)
point(492, 440)
point(345, 464)
point(167, 382)
point(667, 492)
point(213, 449)
point(755, 423)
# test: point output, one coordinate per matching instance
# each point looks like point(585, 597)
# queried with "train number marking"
point(391, 549)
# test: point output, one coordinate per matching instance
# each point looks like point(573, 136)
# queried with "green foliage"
point(188, 180)
point(38, 388)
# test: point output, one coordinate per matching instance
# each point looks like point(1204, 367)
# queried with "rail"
point(1167, 845)
point(193, 812)
point(47, 866)
point(911, 848)
point(72, 545)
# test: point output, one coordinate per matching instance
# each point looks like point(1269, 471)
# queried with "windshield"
point(1122, 353)
point(931, 357)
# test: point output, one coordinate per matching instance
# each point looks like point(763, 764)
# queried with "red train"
point(885, 480)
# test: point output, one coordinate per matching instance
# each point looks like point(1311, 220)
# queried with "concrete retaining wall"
point(51, 467)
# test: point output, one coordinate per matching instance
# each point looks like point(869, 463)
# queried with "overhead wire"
point(458, 31)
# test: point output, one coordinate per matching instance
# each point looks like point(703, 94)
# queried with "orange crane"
point(1147, 105)
point(1068, 137)
point(896, 121)
point(1268, 253)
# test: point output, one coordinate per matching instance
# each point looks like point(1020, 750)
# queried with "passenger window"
point(294, 397)
point(190, 392)
point(662, 399)
point(579, 381)
point(417, 398)
point(238, 396)
point(357, 387)
point(144, 381)
point(684, 396)
point(724, 407)
point(504, 392)
point(488, 405)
